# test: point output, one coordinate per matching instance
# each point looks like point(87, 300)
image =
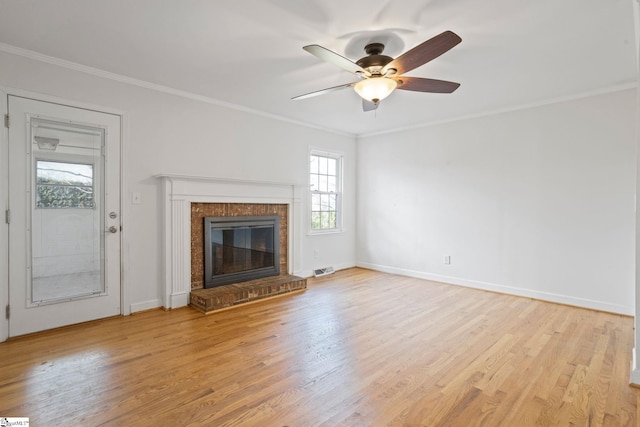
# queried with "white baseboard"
point(146, 305)
point(493, 287)
point(179, 300)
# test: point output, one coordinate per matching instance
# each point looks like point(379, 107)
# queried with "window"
point(325, 186)
point(64, 185)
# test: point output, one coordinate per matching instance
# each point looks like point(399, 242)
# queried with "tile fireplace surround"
point(180, 191)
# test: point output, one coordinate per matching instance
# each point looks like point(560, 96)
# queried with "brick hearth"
point(220, 297)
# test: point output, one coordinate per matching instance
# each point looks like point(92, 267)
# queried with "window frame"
point(339, 209)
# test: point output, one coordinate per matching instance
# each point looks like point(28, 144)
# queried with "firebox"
point(241, 248)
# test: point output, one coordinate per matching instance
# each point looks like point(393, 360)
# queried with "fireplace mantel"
point(179, 191)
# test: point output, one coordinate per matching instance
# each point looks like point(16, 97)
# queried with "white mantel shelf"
point(179, 191)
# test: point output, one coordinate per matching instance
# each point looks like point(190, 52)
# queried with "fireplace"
point(241, 248)
point(188, 199)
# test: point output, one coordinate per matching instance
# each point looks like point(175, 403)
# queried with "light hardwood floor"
point(358, 348)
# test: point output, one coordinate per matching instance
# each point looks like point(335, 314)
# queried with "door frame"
point(125, 301)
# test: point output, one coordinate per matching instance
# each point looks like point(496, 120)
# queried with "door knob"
point(113, 229)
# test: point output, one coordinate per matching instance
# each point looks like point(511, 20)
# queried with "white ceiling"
point(249, 52)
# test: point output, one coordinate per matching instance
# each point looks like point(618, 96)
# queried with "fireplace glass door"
point(240, 248)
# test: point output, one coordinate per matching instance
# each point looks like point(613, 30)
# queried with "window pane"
point(331, 184)
point(314, 164)
point(324, 202)
point(322, 183)
point(313, 182)
point(332, 169)
point(332, 202)
point(315, 202)
point(323, 165)
point(315, 220)
point(324, 219)
point(332, 220)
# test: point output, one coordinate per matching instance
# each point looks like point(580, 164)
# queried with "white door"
point(64, 203)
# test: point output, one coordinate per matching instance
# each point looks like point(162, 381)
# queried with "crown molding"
point(587, 94)
point(63, 63)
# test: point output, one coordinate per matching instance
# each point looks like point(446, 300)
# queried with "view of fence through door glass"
point(67, 259)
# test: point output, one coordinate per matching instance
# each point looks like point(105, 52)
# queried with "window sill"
point(325, 232)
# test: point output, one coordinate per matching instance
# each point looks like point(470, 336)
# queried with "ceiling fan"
point(380, 74)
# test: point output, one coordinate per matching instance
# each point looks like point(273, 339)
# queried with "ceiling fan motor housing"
point(375, 61)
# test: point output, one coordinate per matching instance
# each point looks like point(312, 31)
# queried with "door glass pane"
point(64, 185)
point(67, 237)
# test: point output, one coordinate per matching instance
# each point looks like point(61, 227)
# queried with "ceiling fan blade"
point(419, 84)
point(323, 91)
point(423, 53)
point(368, 105)
point(334, 58)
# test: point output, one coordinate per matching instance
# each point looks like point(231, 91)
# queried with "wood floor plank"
point(358, 348)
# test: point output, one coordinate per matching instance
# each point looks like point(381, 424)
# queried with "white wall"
point(536, 202)
point(168, 134)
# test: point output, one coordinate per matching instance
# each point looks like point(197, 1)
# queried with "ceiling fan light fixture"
point(375, 89)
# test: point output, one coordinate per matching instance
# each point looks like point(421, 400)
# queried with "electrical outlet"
point(447, 259)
